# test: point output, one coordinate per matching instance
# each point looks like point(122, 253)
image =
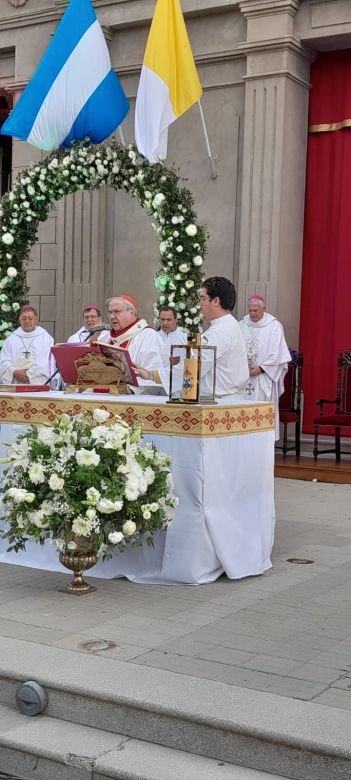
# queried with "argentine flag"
point(74, 92)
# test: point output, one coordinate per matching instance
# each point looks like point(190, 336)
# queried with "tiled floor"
point(287, 632)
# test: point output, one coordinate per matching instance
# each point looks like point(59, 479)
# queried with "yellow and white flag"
point(168, 84)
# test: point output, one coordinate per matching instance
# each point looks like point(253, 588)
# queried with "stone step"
point(296, 739)
point(49, 749)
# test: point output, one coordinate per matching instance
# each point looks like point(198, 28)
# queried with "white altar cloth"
point(224, 521)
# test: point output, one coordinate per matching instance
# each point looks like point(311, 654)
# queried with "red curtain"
point(325, 327)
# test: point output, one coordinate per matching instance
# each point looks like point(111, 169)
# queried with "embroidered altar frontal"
point(154, 416)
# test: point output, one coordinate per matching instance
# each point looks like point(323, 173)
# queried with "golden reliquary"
point(192, 371)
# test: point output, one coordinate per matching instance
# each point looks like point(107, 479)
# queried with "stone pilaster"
point(274, 159)
point(81, 261)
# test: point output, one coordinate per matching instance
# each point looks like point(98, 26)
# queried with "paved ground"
point(287, 633)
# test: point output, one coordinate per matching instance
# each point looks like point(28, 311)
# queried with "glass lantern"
point(192, 372)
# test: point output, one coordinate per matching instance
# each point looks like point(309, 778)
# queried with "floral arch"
point(182, 243)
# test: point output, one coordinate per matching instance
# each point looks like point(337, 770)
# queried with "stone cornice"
point(290, 43)
point(255, 8)
point(16, 86)
point(141, 12)
point(214, 58)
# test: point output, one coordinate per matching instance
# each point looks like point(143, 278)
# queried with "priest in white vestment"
point(217, 297)
point(170, 333)
point(133, 333)
point(91, 319)
point(268, 355)
point(25, 355)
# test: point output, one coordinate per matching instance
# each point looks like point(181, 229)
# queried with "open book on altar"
point(76, 361)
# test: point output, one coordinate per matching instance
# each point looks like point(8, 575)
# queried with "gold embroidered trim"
point(165, 419)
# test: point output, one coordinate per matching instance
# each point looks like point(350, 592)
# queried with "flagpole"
point(209, 153)
point(121, 136)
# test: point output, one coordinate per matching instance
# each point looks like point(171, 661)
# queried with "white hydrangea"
point(11, 271)
point(47, 436)
point(16, 495)
point(149, 475)
point(189, 284)
point(115, 537)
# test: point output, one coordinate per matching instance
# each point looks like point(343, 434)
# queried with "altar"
point(223, 467)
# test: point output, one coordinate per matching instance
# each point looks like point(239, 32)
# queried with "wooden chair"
point(290, 402)
point(342, 415)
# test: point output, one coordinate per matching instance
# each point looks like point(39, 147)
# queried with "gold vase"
point(78, 562)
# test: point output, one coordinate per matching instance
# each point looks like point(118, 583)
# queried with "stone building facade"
point(253, 58)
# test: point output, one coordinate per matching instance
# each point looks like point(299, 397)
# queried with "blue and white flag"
point(74, 92)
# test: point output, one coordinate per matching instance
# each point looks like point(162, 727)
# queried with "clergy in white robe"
point(217, 297)
point(268, 355)
point(134, 334)
point(91, 319)
point(170, 334)
point(25, 355)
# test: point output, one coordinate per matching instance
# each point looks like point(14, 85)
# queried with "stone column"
point(274, 160)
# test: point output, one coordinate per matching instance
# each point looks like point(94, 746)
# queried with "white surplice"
point(232, 370)
point(267, 348)
point(177, 336)
point(29, 352)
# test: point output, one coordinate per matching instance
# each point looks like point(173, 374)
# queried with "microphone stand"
point(96, 329)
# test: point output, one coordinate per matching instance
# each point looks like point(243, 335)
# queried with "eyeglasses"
point(116, 311)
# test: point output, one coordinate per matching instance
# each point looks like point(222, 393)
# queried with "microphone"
point(96, 329)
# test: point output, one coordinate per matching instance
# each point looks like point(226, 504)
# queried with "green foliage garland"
point(182, 243)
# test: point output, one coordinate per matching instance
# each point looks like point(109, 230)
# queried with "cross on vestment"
point(250, 389)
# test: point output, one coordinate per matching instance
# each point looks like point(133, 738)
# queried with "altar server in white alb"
point(170, 333)
point(268, 355)
point(217, 297)
point(25, 355)
point(131, 332)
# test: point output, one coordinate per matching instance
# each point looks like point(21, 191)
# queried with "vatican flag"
point(168, 84)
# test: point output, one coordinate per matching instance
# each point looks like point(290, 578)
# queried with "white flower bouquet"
point(87, 478)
